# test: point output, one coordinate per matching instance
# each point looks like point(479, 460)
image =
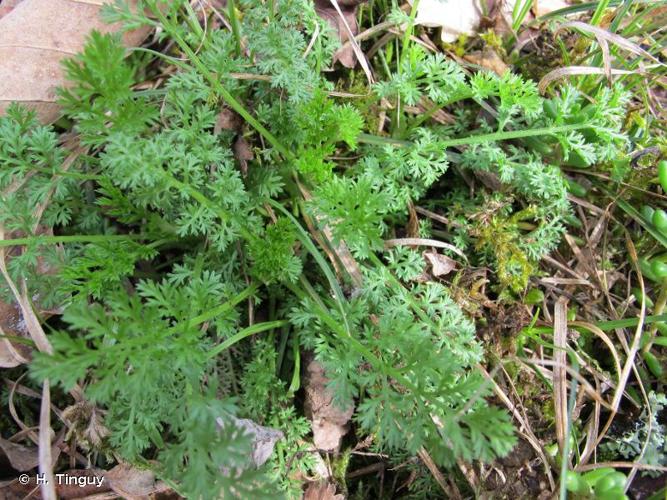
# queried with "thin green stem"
point(599, 12)
point(217, 311)
point(519, 13)
point(79, 238)
point(405, 44)
point(382, 141)
point(479, 139)
point(606, 326)
point(246, 332)
point(512, 134)
point(565, 458)
point(234, 21)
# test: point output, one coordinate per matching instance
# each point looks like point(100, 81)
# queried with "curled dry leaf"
point(243, 153)
point(34, 38)
point(131, 482)
point(559, 373)
point(329, 422)
point(46, 457)
point(488, 59)
point(227, 119)
point(264, 439)
point(11, 323)
point(424, 242)
point(441, 265)
point(412, 228)
point(328, 12)
point(21, 458)
point(576, 70)
point(603, 35)
point(322, 491)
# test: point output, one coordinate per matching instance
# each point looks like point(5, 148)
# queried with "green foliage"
point(273, 253)
point(320, 124)
point(99, 268)
point(405, 173)
point(354, 209)
point(575, 131)
point(267, 401)
point(102, 100)
point(146, 360)
point(33, 189)
point(421, 334)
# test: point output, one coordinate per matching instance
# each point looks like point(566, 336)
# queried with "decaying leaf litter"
point(573, 340)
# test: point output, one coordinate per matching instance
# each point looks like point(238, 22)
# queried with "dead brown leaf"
point(441, 265)
point(131, 482)
point(322, 491)
point(577, 70)
point(412, 229)
point(12, 354)
point(227, 120)
point(328, 12)
point(243, 153)
point(329, 422)
point(46, 457)
point(264, 439)
point(21, 458)
point(488, 59)
point(34, 38)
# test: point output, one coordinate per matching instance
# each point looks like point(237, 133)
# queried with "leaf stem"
point(481, 138)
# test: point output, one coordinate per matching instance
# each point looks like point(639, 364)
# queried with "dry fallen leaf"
point(227, 119)
point(329, 422)
point(34, 38)
point(11, 323)
point(488, 59)
point(243, 153)
point(322, 491)
point(327, 11)
point(263, 438)
point(441, 265)
point(20, 457)
point(130, 482)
